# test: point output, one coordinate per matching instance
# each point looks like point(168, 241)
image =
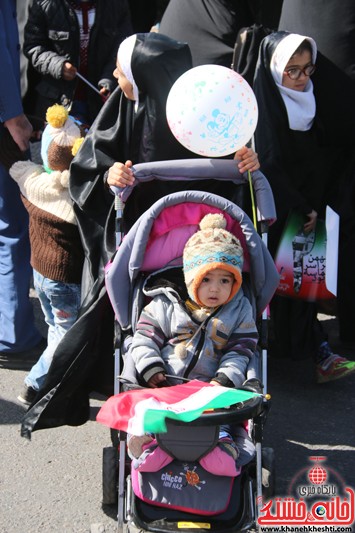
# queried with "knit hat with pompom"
point(210, 248)
point(58, 139)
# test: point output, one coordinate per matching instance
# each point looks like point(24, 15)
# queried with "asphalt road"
point(308, 420)
point(53, 482)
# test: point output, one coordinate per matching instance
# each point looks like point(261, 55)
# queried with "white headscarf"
point(124, 57)
point(300, 105)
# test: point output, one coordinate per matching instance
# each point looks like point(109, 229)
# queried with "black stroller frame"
point(257, 478)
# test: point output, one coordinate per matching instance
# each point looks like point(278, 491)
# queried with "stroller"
point(156, 242)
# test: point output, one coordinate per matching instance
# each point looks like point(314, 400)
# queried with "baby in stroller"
point(171, 330)
point(200, 327)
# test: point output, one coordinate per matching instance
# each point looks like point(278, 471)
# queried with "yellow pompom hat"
point(58, 138)
point(210, 248)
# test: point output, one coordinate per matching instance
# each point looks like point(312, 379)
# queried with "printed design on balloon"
point(212, 110)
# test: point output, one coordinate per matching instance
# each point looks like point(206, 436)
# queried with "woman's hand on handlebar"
point(248, 159)
point(120, 175)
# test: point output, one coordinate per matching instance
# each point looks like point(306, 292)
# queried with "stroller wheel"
point(110, 464)
point(268, 472)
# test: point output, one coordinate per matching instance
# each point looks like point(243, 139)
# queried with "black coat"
point(120, 133)
point(210, 27)
point(83, 361)
point(332, 25)
point(298, 164)
point(51, 37)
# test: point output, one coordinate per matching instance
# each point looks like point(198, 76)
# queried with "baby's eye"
point(205, 280)
point(226, 280)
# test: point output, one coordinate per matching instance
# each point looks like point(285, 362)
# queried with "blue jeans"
point(17, 326)
point(60, 304)
point(239, 435)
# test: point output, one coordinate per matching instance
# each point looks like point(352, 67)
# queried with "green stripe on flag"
point(155, 419)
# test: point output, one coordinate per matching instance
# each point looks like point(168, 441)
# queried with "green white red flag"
point(142, 411)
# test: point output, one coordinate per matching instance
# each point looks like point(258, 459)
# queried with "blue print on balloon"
point(223, 128)
point(211, 110)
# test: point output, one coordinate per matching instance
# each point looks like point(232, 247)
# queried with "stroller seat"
point(156, 242)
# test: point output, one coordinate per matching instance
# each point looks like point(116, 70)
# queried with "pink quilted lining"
point(165, 248)
point(174, 226)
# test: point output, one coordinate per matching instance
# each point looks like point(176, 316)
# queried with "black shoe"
point(28, 395)
point(22, 360)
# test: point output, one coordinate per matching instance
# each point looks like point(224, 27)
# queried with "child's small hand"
point(120, 175)
point(157, 380)
point(248, 159)
point(215, 383)
point(105, 93)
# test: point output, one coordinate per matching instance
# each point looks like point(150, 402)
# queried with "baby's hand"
point(157, 380)
point(248, 159)
point(120, 175)
point(105, 93)
point(215, 383)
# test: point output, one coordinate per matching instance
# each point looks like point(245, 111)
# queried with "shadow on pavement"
point(309, 419)
point(11, 412)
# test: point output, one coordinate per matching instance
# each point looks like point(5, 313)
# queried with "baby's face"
point(215, 288)
point(126, 86)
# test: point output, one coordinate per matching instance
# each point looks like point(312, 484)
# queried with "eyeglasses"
point(294, 73)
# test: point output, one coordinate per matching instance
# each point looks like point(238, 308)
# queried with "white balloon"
point(212, 110)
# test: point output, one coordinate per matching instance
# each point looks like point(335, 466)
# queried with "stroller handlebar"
point(202, 169)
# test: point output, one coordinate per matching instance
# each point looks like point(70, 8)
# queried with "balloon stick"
point(103, 96)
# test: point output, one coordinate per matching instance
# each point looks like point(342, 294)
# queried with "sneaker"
point(334, 367)
point(228, 446)
point(28, 395)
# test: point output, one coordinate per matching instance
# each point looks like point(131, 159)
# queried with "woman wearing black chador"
point(297, 161)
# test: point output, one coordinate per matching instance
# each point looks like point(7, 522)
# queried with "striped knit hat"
point(210, 248)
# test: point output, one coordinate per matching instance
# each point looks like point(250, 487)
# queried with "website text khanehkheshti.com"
point(306, 529)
